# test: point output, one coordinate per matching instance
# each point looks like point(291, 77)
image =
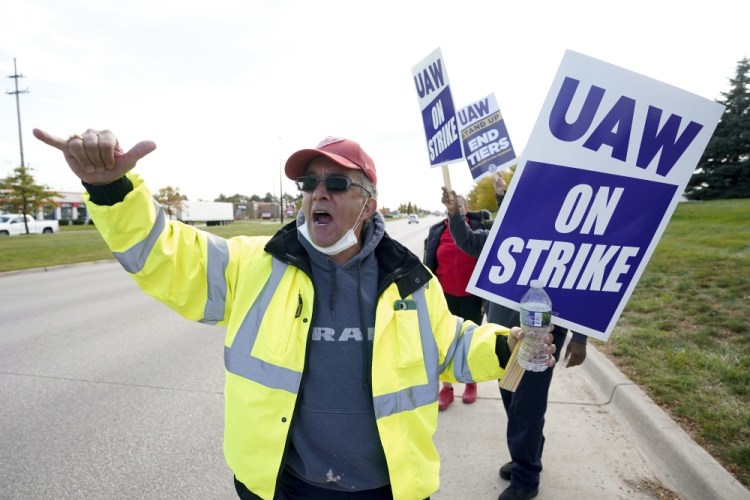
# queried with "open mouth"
point(321, 218)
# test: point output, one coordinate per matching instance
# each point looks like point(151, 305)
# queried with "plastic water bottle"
point(536, 316)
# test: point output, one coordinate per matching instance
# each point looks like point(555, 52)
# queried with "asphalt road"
point(106, 393)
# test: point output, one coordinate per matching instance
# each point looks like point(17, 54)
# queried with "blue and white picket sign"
point(486, 143)
point(606, 164)
point(438, 112)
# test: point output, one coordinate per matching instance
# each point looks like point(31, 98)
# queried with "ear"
point(371, 206)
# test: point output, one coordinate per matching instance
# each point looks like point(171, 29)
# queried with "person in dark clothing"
point(453, 268)
point(526, 406)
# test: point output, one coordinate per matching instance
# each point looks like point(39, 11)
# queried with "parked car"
point(12, 224)
point(413, 218)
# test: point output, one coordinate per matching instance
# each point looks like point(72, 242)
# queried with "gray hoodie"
point(334, 438)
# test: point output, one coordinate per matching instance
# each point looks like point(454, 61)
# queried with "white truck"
point(213, 213)
point(12, 224)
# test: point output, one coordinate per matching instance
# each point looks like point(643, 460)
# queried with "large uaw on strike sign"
point(604, 168)
point(438, 112)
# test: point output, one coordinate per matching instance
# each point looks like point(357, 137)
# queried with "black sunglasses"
point(308, 183)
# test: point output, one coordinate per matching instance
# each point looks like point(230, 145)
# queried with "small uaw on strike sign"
point(438, 112)
point(606, 164)
point(484, 136)
point(476, 133)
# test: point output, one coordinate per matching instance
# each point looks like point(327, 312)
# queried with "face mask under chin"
point(348, 240)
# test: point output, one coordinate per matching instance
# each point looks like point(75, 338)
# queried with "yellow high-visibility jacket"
point(260, 289)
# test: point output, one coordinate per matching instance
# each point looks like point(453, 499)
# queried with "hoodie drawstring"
point(366, 353)
point(332, 296)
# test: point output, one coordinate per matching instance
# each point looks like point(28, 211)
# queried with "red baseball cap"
point(345, 152)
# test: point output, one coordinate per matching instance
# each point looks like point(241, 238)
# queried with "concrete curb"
point(681, 465)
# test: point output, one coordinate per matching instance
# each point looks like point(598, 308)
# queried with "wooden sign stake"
point(446, 178)
point(513, 371)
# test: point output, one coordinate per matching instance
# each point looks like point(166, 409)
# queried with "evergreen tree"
point(21, 194)
point(724, 169)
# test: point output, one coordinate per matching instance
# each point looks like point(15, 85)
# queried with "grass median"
point(683, 336)
point(76, 244)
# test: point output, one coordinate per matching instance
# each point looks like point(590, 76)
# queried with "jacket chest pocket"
point(408, 342)
point(282, 333)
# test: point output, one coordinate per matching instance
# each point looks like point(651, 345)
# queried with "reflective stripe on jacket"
point(260, 289)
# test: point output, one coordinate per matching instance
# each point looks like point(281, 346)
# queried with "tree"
point(22, 195)
point(269, 198)
point(298, 203)
point(408, 208)
point(482, 196)
point(724, 169)
point(235, 198)
point(170, 198)
point(289, 199)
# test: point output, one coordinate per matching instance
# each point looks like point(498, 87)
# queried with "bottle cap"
point(535, 283)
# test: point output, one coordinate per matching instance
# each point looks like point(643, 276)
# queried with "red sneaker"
point(445, 398)
point(470, 394)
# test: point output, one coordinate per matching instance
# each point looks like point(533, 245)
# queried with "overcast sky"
point(228, 89)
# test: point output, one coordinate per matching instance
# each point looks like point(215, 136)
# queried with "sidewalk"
point(605, 440)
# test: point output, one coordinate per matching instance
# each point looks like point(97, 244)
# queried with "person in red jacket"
point(453, 268)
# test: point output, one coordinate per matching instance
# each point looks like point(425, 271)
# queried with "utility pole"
point(281, 187)
point(16, 76)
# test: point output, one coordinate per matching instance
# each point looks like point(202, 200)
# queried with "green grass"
point(75, 244)
point(683, 337)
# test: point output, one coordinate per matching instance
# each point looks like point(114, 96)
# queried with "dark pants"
point(467, 307)
point(293, 488)
point(525, 409)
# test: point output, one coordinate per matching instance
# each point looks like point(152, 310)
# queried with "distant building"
point(68, 208)
point(252, 210)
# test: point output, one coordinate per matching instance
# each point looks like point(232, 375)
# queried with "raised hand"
point(96, 156)
point(450, 200)
point(500, 184)
point(575, 354)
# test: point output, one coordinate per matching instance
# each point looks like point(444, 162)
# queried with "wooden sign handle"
point(513, 371)
point(446, 178)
